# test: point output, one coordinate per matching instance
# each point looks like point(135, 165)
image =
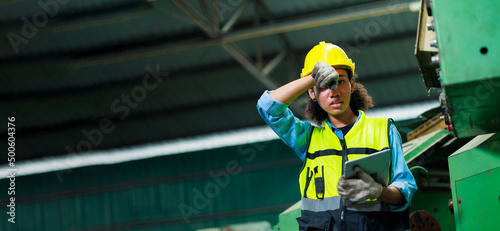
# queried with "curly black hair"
point(360, 100)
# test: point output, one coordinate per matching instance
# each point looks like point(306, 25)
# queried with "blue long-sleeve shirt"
point(296, 134)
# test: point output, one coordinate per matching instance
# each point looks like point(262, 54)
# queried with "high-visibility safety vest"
point(322, 207)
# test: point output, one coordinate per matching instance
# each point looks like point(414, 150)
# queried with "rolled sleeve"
point(270, 106)
point(294, 132)
point(402, 178)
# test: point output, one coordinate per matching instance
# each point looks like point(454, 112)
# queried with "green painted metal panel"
point(417, 147)
point(288, 218)
point(474, 177)
point(467, 36)
point(437, 205)
point(474, 158)
point(479, 209)
point(464, 29)
point(474, 106)
point(189, 191)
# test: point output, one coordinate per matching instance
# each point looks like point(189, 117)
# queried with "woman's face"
point(335, 102)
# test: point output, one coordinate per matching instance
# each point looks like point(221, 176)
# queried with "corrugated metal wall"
point(213, 188)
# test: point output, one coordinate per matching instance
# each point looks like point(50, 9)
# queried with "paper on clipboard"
point(376, 165)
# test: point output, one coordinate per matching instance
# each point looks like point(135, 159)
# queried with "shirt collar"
point(334, 128)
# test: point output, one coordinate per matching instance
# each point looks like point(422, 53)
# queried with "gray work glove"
point(359, 189)
point(325, 76)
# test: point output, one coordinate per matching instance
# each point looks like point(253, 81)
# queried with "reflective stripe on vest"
point(323, 164)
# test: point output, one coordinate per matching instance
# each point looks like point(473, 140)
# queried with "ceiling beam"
point(292, 54)
point(231, 48)
point(274, 62)
point(92, 9)
point(41, 93)
point(254, 68)
point(332, 17)
point(230, 23)
point(216, 19)
point(204, 24)
point(248, 64)
point(313, 20)
point(299, 23)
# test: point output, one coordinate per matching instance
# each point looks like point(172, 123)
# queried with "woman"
point(330, 202)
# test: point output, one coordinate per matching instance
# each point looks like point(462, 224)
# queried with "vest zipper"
point(344, 159)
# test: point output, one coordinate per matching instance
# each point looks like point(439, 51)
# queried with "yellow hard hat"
point(328, 53)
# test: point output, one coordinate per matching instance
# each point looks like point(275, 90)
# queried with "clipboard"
point(376, 165)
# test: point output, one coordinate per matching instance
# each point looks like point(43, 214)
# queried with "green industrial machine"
point(458, 51)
